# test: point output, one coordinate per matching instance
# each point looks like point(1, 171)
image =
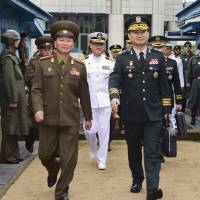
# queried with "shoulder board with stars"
point(109, 58)
point(76, 60)
point(46, 57)
point(82, 57)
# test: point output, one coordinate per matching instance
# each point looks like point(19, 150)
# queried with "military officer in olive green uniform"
point(12, 99)
point(193, 81)
point(45, 48)
point(145, 99)
point(59, 82)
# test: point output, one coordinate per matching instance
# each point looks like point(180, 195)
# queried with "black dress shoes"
point(51, 181)
point(16, 161)
point(136, 187)
point(29, 145)
point(155, 194)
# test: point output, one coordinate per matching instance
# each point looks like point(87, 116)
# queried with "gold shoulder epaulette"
point(109, 58)
point(77, 60)
point(46, 57)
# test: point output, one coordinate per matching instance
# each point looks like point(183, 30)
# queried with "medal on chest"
point(130, 67)
point(155, 74)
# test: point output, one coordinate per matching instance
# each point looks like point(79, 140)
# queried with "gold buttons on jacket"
point(61, 93)
point(61, 85)
point(144, 99)
point(143, 90)
point(61, 77)
point(143, 81)
point(143, 73)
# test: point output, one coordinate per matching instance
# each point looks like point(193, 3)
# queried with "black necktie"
point(142, 60)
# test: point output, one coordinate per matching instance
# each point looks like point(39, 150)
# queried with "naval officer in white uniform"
point(99, 68)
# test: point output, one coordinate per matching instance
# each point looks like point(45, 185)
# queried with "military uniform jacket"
point(144, 91)
point(12, 87)
point(193, 67)
point(30, 70)
point(56, 91)
point(98, 71)
point(173, 80)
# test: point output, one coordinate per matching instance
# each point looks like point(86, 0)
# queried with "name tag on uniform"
point(169, 68)
point(106, 67)
point(153, 61)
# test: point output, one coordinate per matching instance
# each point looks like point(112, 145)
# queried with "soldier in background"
point(193, 82)
point(185, 57)
point(45, 48)
point(59, 83)
point(13, 99)
point(115, 125)
point(127, 45)
point(115, 50)
point(175, 56)
point(23, 52)
point(99, 68)
point(145, 100)
point(159, 42)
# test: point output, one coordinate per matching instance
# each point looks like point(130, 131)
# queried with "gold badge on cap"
point(157, 38)
point(52, 60)
point(47, 43)
point(130, 75)
point(198, 63)
point(170, 77)
point(65, 31)
point(49, 69)
point(138, 19)
point(155, 74)
point(99, 35)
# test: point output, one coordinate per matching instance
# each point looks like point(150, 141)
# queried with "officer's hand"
point(13, 105)
point(179, 107)
point(39, 116)
point(88, 125)
point(168, 116)
point(114, 105)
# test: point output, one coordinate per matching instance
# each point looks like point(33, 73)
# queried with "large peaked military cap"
point(44, 41)
point(158, 40)
point(64, 28)
point(97, 37)
point(138, 23)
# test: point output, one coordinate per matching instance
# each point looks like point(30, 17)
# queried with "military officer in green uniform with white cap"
point(59, 82)
point(145, 99)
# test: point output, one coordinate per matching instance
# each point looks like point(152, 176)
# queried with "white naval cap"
point(168, 45)
point(97, 37)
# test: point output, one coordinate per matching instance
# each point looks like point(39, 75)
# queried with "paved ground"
point(9, 173)
point(180, 177)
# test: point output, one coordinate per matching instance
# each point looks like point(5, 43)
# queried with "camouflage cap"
point(64, 28)
point(44, 41)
